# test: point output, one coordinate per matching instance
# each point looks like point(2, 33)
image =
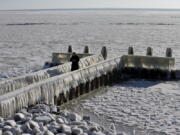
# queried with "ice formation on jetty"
point(22, 81)
point(47, 90)
point(64, 87)
point(49, 120)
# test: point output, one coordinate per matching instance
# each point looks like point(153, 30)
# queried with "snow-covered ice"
point(144, 105)
point(29, 42)
point(26, 47)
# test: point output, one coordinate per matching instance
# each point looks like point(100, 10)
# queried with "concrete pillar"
point(82, 89)
point(88, 86)
point(97, 82)
point(86, 49)
point(67, 96)
point(106, 80)
point(111, 79)
point(156, 73)
point(61, 99)
point(173, 75)
point(168, 52)
point(149, 51)
point(142, 73)
point(117, 74)
point(130, 51)
point(55, 100)
point(164, 75)
point(102, 81)
point(77, 93)
point(69, 49)
point(93, 84)
point(72, 93)
point(104, 52)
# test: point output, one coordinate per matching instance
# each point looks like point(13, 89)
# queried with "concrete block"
point(104, 52)
point(168, 52)
point(149, 51)
point(69, 49)
point(147, 62)
point(86, 49)
point(130, 51)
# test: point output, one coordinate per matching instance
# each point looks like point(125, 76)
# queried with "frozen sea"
point(28, 38)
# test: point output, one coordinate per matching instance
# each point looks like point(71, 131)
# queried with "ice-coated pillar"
point(61, 99)
point(77, 93)
point(173, 75)
point(168, 52)
point(69, 49)
point(97, 79)
point(86, 49)
point(104, 52)
point(149, 51)
point(130, 51)
point(82, 88)
point(88, 86)
point(72, 93)
point(93, 84)
point(102, 78)
point(55, 100)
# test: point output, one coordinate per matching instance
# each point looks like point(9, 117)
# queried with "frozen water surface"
point(136, 107)
point(27, 38)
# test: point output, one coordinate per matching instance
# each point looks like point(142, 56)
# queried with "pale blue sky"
point(41, 4)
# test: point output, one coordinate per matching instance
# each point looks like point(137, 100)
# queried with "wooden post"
point(149, 51)
point(69, 49)
point(104, 52)
point(130, 51)
point(168, 52)
point(86, 49)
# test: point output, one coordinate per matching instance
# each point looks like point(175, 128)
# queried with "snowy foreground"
point(147, 108)
point(48, 120)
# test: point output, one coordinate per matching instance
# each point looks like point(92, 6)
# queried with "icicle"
point(23, 81)
point(46, 90)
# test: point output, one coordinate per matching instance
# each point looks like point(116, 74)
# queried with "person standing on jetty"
point(75, 62)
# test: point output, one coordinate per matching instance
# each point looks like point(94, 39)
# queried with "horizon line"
point(45, 9)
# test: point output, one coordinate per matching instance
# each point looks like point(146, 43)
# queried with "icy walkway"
point(153, 107)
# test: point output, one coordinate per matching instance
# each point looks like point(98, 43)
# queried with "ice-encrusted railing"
point(49, 90)
point(22, 81)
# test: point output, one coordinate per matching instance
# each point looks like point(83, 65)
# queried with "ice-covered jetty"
point(149, 66)
point(25, 80)
point(59, 88)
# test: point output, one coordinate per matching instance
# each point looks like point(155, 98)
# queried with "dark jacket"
point(75, 62)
